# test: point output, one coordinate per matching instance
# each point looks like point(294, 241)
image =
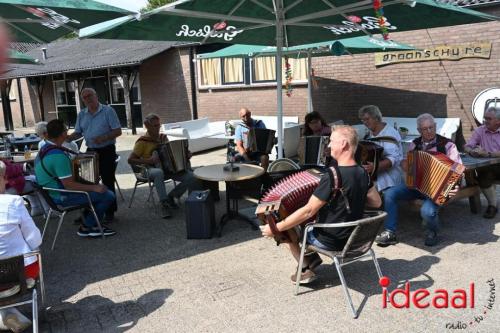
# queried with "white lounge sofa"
point(201, 133)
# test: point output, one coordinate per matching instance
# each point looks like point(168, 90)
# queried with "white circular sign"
point(485, 99)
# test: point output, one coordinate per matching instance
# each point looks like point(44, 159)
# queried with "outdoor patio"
point(150, 278)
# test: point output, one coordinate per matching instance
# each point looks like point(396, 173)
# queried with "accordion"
point(433, 174)
point(173, 156)
point(288, 195)
point(86, 168)
point(260, 140)
point(369, 151)
point(314, 150)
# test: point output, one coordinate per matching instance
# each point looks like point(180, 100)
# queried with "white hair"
point(92, 90)
point(425, 116)
point(41, 128)
point(149, 117)
point(495, 110)
point(372, 110)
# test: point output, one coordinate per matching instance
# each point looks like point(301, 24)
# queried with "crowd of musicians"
point(376, 184)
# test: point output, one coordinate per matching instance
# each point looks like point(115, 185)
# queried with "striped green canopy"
point(15, 57)
point(46, 20)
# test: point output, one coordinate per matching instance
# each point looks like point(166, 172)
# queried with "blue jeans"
point(312, 240)
point(429, 210)
point(100, 201)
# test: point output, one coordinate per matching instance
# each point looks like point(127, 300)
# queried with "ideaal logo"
point(439, 299)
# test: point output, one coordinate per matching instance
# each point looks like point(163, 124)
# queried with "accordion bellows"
point(433, 174)
point(86, 168)
point(286, 197)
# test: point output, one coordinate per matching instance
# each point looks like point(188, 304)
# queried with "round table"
point(218, 174)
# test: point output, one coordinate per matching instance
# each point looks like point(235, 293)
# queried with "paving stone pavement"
point(150, 278)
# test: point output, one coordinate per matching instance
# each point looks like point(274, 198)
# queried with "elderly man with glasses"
point(428, 141)
point(485, 142)
point(385, 135)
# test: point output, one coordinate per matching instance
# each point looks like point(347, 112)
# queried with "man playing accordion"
point(53, 169)
point(431, 142)
point(143, 154)
point(240, 138)
point(355, 183)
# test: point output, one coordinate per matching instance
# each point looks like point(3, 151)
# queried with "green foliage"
point(152, 4)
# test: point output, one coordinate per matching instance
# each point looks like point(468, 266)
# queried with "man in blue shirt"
point(240, 137)
point(100, 127)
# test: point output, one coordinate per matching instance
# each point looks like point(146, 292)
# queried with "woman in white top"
point(18, 235)
point(41, 131)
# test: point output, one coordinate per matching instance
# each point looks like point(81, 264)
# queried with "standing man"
point(240, 137)
point(389, 170)
point(485, 142)
point(427, 141)
point(100, 127)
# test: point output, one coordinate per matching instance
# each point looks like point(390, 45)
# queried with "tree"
point(152, 4)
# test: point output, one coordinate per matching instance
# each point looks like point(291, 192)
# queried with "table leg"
point(475, 200)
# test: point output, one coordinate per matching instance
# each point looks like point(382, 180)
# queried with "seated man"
point(389, 170)
point(142, 154)
point(53, 170)
point(355, 182)
point(485, 142)
point(240, 138)
point(428, 141)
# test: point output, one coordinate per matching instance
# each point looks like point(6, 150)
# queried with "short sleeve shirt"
point(355, 182)
point(93, 125)
point(58, 165)
point(145, 145)
point(241, 132)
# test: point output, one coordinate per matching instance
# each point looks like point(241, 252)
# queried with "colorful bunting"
point(379, 13)
point(288, 78)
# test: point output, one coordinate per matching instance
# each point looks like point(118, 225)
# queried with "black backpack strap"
point(44, 151)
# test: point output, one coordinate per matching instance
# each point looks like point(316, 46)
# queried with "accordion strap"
point(336, 181)
point(389, 139)
point(44, 151)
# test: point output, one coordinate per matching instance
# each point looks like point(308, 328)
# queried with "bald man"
point(240, 137)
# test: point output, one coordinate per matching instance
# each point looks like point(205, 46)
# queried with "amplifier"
point(200, 215)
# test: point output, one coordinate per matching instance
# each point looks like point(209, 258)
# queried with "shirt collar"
point(493, 132)
point(99, 108)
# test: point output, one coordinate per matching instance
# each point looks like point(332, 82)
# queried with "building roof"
point(471, 3)
point(76, 55)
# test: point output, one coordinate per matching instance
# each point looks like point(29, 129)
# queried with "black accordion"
point(314, 150)
point(260, 140)
point(173, 156)
point(85, 168)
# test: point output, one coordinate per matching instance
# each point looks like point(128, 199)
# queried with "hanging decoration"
point(382, 20)
point(288, 78)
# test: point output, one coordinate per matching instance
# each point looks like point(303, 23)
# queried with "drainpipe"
point(192, 68)
point(21, 102)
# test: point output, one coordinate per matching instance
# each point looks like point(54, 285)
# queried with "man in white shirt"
point(389, 170)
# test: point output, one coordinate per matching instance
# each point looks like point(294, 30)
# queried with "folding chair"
point(358, 246)
point(12, 279)
point(141, 173)
point(117, 160)
point(61, 211)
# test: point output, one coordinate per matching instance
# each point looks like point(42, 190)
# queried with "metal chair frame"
point(19, 298)
point(62, 211)
point(141, 173)
point(339, 257)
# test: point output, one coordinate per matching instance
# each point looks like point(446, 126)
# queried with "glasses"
point(427, 129)
point(365, 119)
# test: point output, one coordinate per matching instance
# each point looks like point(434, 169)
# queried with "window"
point(70, 92)
point(236, 71)
point(136, 90)
point(117, 91)
point(60, 91)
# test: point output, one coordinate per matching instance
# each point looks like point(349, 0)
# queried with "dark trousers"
point(487, 175)
point(107, 168)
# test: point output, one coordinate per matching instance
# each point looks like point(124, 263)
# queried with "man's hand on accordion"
point(368, 167)
point(266, 230)
point(453, 191)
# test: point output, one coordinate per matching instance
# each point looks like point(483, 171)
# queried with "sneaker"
point(307, 276)
point(94, 232)
point(431, 239)
point(386, 238)
point(16, 321)
point(170, 202)
point(165, 212)
point(490, 212)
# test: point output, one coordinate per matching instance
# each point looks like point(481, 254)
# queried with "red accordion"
point(288, 195)
point(433, 174)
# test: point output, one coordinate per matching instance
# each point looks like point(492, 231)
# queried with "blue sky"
point(132, 5)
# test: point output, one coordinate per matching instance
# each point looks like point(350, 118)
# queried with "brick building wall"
point(30, 117)
point(166, 86)
point(346, 83)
